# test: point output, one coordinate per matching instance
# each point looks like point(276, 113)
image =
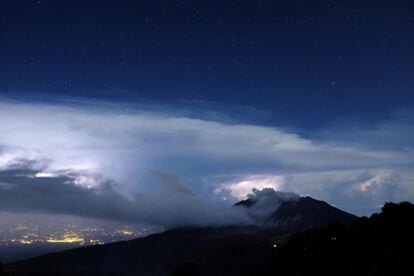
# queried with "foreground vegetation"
point(379, 245)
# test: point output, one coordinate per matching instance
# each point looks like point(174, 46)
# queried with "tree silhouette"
point(379, 245)
point(2, 273)
point(187, 269)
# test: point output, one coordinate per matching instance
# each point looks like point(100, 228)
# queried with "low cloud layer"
point(265, 202)
point(100, 161)
point(359, 191)
point(172, 204)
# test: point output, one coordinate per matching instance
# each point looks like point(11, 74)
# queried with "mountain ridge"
point(162, 253)
point(300, 213)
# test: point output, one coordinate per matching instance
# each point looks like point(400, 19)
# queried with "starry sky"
point(206, 98)
point(305, 61)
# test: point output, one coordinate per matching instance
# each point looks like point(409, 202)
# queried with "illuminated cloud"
point(168, 205)
point(118, 148)
point(241, 188)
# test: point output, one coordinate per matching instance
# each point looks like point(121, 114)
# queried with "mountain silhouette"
point(307, 212)
point(230, 250)
point(300, 213)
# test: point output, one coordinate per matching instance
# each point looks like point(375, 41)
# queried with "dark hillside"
point(380, 245)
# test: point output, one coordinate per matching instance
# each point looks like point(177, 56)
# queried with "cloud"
point(373, 190)
point(22, 190)
point(359, 191)
point(394, 133)
point(242, 188)
point(119, 158)
point(266, 201)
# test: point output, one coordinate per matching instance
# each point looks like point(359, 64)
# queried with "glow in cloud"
point(240, 189)
point(97, 145)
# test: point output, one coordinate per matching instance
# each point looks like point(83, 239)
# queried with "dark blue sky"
point(305, 62)
point(123, 97)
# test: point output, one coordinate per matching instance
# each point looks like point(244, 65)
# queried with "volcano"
point(228, 250)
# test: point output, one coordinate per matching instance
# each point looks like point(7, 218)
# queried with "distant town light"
point(68, 238)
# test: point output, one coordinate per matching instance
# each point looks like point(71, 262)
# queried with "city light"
point(70, 233)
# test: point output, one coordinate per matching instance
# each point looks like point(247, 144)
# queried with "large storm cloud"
point(171, 204)
point(120, 162)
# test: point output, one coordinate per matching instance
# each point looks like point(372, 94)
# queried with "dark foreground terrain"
point(379, 245)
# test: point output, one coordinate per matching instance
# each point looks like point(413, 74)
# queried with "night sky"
point(306, 62)
point(138, 110)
